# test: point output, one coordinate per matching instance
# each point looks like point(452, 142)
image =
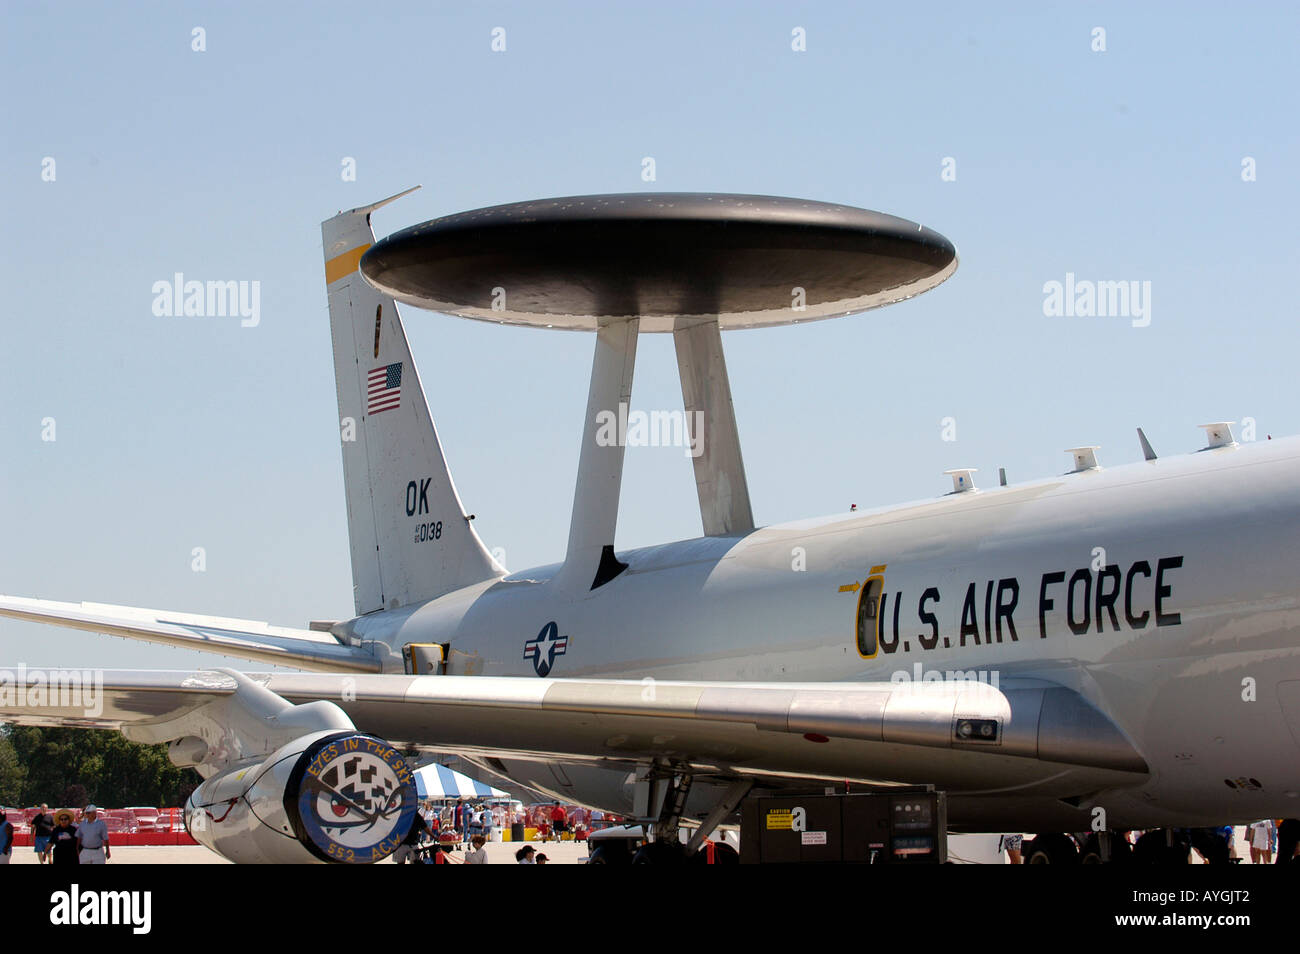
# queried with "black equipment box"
point(896, 827)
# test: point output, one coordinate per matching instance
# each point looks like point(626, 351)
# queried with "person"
point(557, 821)
point(488, 822)
point(6, 838)
point(1261, 842)
point(541, 859)
point(405, 852)
point(462, 820)
point(1012, 845)
point(92, 838)
point(479, 855)
point(42, 826)
point(1229, 835)
point(1288, 842)
point(475, 823)
point(524, 855)
point(63, 840)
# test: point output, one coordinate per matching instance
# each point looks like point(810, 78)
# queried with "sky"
point(1153, 143)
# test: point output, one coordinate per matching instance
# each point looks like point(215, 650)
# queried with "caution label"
point(780, 819)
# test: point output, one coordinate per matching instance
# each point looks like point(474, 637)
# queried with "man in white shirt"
point(92, 838)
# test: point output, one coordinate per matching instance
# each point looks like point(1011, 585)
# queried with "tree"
point(113, 771)
point(12, 772)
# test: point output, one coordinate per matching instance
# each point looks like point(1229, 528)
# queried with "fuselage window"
point(868, 624)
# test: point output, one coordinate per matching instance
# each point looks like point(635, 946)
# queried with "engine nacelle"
point(329, 796)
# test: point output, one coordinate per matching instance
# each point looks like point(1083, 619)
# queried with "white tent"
point(438, 781)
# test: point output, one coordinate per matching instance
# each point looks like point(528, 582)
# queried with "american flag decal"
point(384, 388)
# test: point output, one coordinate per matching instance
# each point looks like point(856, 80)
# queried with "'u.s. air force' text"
point(1088, 601)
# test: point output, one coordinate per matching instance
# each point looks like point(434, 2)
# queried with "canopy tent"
point(438, 781)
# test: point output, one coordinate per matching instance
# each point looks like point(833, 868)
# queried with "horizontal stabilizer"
point(240, 638)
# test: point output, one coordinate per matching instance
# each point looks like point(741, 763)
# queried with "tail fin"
point(411, 539)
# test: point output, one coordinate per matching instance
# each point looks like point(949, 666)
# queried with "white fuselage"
point(1166, 593)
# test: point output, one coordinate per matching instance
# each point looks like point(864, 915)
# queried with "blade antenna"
point(1147, 451)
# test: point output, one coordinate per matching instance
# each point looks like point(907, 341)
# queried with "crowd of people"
point(65, 837)
point(466, 820)
point(551, 821)
point(1261, 843)
point(60, 839)
point(467, 826)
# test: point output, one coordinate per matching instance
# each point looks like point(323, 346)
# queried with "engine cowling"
point(331, 796)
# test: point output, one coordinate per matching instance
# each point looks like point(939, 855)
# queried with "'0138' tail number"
point(428, 531)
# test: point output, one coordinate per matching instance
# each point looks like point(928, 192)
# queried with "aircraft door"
point(867, 627)
point(425, 659)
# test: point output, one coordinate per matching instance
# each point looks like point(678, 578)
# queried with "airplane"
point(1107, 649)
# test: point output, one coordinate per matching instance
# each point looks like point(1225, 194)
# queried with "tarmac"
point(499, 853)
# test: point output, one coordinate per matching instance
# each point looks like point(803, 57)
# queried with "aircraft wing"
point(1044, 738)
point(241, 638)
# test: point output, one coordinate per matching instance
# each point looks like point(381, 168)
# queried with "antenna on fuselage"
point(1218, 434)
point(961, 479)
point(1084, 458)
point(1148, 452)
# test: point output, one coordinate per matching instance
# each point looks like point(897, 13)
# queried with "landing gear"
point(1105, 848)
point(660, 853)
point(1051, 849)
point(671, 787)
point(670, 815)
point(609, 855)
point(1164, 846)
point(721, 852)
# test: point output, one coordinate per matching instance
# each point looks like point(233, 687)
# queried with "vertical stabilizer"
point(411, 539)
